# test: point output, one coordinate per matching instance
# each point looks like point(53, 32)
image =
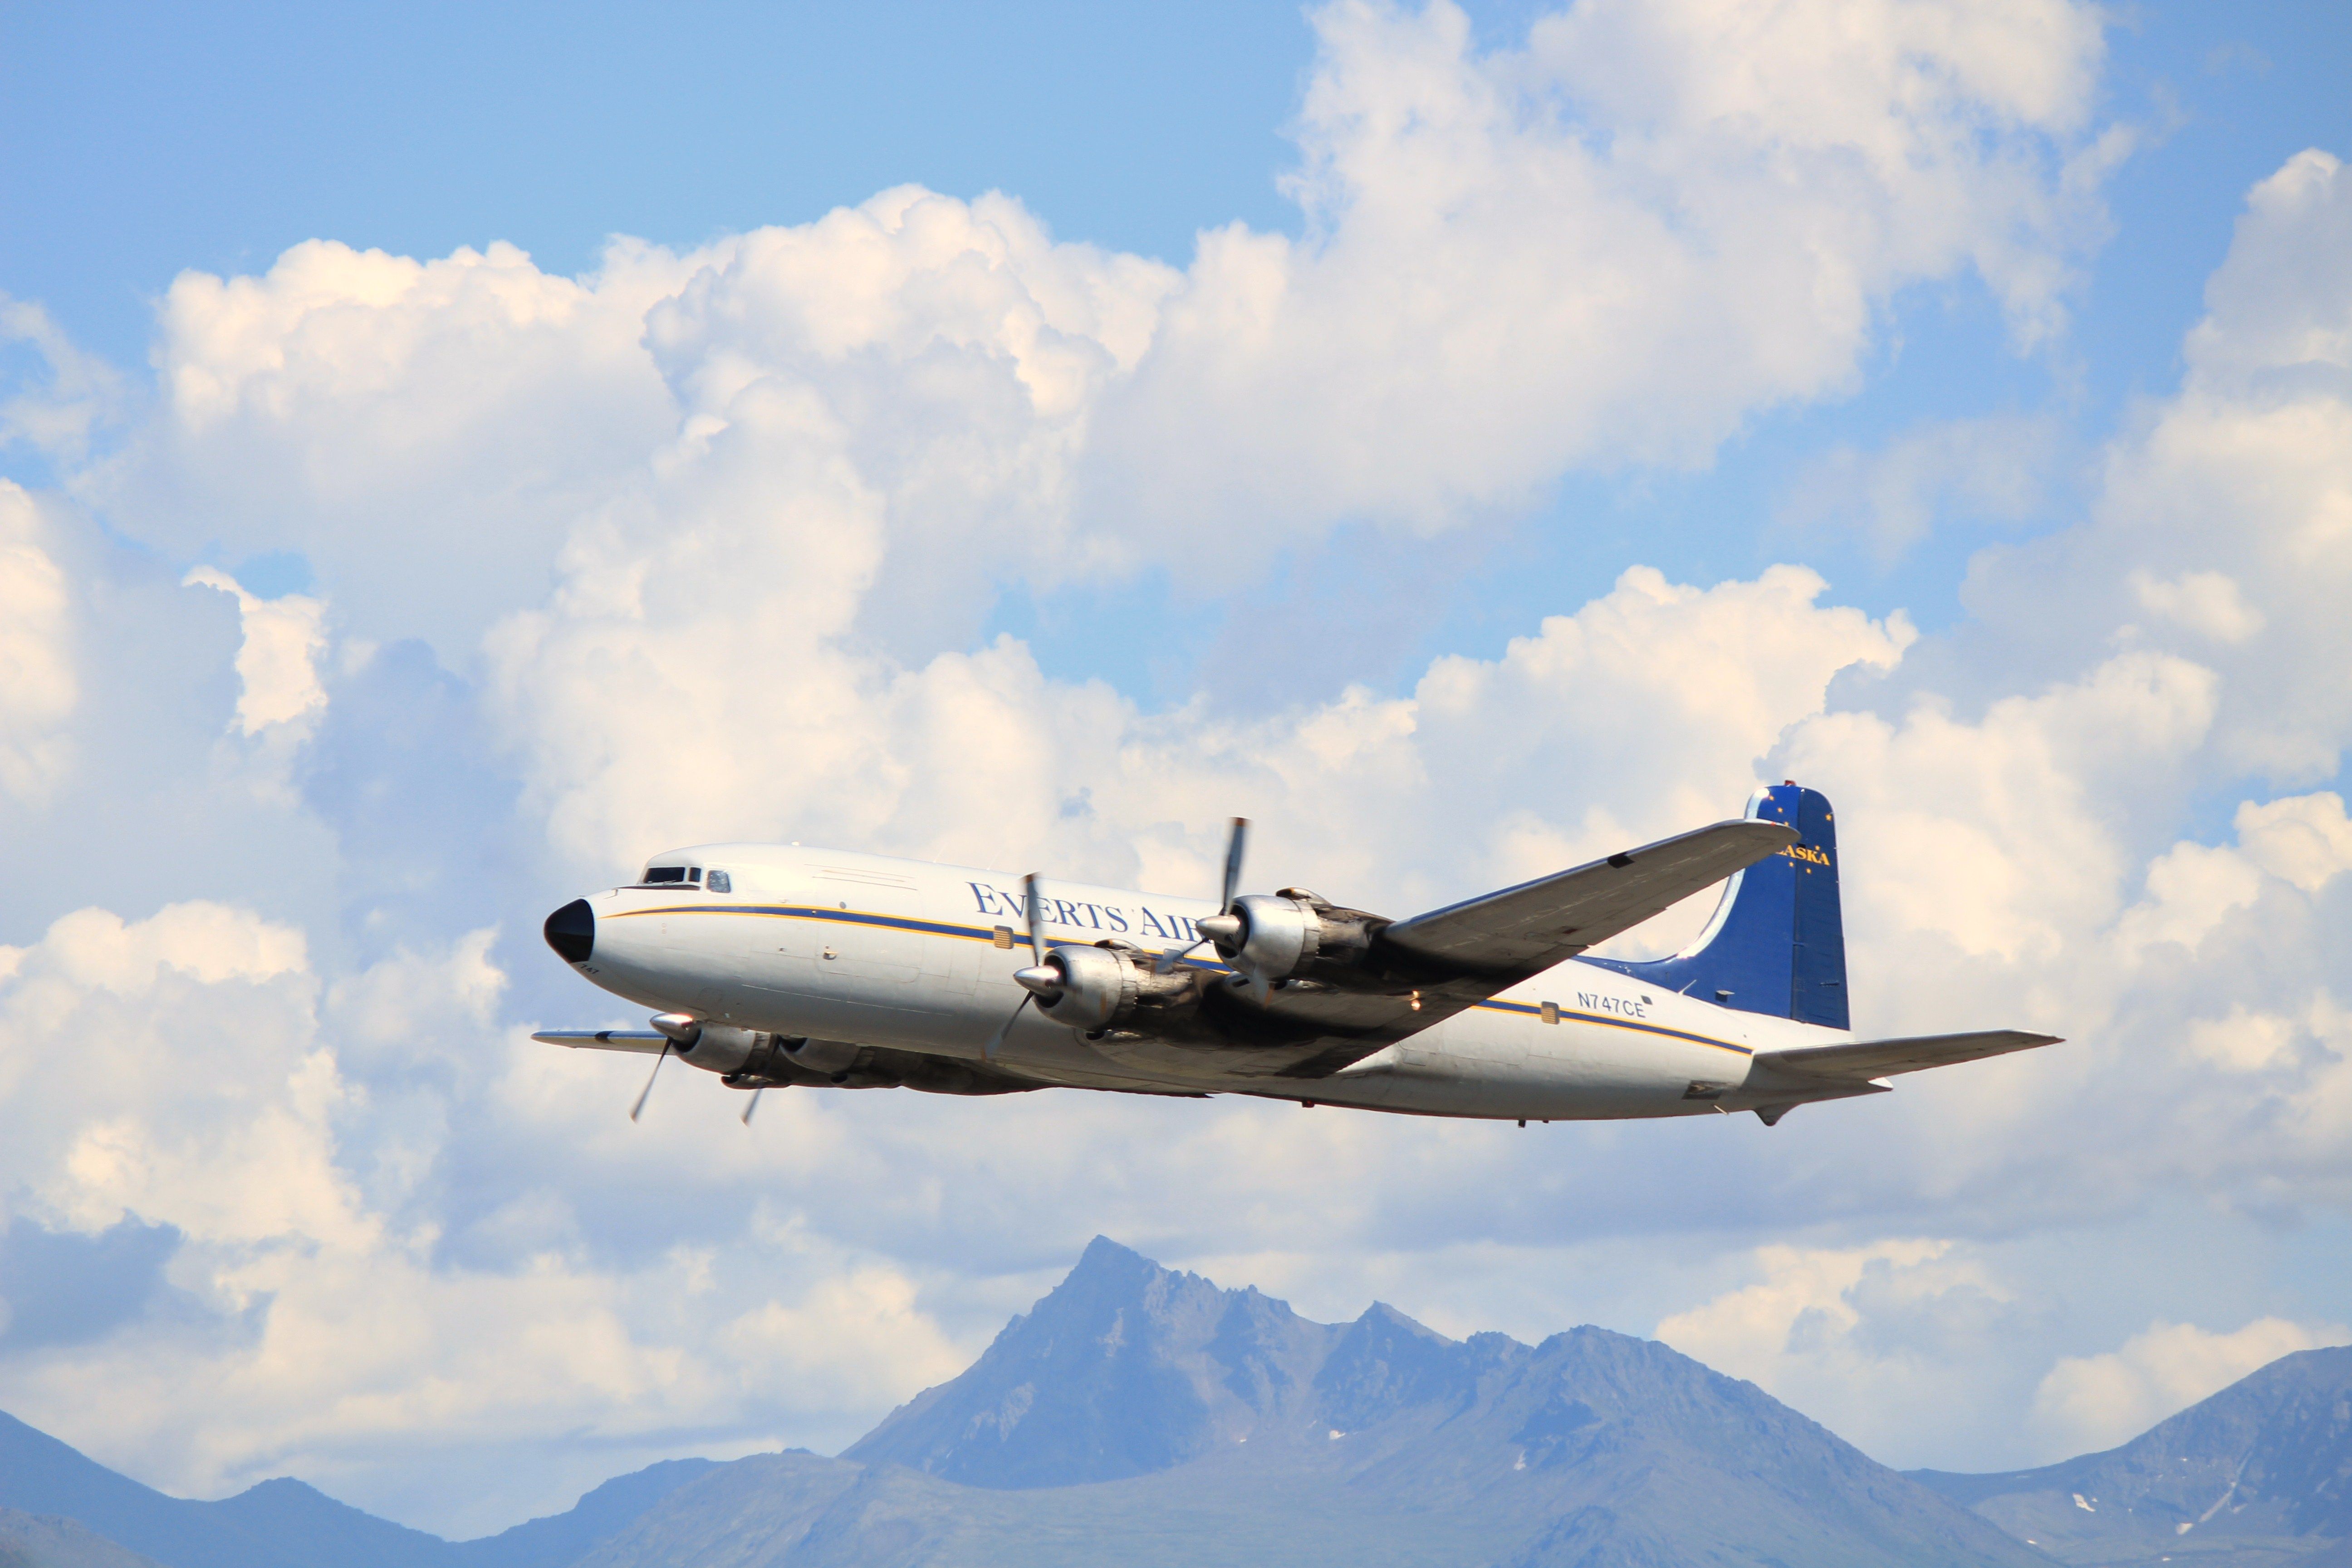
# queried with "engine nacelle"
point(717, 1047)
point(1102, 987)
point(1267, 934)
point(1098, 987)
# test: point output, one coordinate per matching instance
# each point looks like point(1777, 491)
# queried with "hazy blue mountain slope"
point(47, 1541)
point(2260, 1474)
point(299, 1523)
point(284, 1523)
point(40, 1475)
point(1145, 1418)
point(558, 1539)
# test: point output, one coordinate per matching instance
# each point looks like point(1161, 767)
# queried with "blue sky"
point(1413, 428)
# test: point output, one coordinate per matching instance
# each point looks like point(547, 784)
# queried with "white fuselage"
point(920, 957)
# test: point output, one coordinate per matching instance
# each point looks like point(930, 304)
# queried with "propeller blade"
point(1236, 841)
point(639, 1107)
point(754, 1104)
point(1037, 918)
point(996, 1041)
point(1233, 847)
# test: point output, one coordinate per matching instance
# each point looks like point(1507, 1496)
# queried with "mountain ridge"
point(287, 1523)
point(1273, 1439)
point(2247, 1477)
point(1150, 1415)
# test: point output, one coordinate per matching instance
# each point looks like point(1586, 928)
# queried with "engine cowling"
point(717, 1047)
point(1098, 987)
point(1103, 988)
point(1270, 935)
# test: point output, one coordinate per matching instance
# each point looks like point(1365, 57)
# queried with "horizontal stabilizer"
point(1866, 1059)
point(644, 1040)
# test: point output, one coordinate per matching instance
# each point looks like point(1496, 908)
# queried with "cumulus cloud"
point(1860, 1338)
point(178, 1075)
point(37, 688)
point(1514, 263)
point(278, 662)
point(1613, 245)
point(2217, 531)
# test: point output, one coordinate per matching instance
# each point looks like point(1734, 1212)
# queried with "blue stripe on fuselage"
point(988, 934)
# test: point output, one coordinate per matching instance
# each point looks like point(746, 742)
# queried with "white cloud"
point(37, 684)
point(2220, 527)
point(178, 1069)
point(2303, 840)
point(1862, 1337)
point(2281, 302)
point(1613, 246)
point(2091, 1403)
point(1996, 467)
point(278, 662)
point(82, 393)
point(2205, 602)
point(1514, 265)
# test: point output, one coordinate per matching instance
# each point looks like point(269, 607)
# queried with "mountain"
point(284, 1523)
point(47, 1540)
point(2259, 1475)
point(1148, 1417)
point(559, 1540)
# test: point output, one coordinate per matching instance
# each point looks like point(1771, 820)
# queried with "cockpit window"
point(664, 874)
point(719, 882)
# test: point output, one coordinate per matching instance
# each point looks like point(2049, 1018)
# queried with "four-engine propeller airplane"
point(774, 965)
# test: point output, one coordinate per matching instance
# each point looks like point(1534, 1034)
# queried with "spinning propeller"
point(678, 1030)
point(1040, 980)
point(1222, 922)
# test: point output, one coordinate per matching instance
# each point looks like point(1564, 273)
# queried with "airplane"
point(774, 965)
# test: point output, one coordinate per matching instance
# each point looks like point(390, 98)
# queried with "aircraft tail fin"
point(1776, 944)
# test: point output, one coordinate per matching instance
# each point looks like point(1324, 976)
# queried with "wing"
point(644, 1040)
point(1425, 970)
point(1866, 1059)
point(1526, 929)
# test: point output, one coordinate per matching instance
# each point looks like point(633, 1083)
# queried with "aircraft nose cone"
point(572, 931)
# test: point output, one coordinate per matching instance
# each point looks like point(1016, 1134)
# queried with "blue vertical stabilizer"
point(1777, 942)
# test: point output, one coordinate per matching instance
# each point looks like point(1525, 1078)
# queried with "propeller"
point(646, 1093)
point(1167, 962)
point(1037, 982)
point(753, 1104)
point(679, 1031)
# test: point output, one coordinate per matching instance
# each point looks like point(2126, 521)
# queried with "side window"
point(719, 882)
